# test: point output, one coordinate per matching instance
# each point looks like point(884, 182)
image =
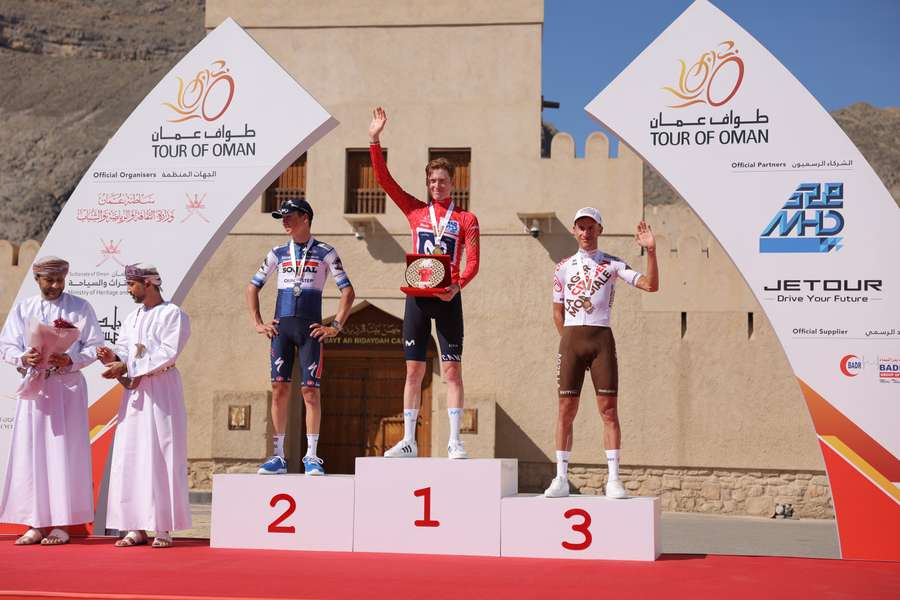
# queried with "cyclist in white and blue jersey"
point(298, 324)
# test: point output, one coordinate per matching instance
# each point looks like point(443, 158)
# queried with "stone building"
point(713, 420)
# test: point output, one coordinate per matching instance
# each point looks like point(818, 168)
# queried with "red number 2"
point(581, 528)
point(427, 521)
point(276, 525)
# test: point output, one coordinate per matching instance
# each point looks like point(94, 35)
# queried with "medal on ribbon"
point(438, 228)
point(298, 273)
point(587, 281)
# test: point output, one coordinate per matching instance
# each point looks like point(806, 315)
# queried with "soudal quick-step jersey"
point(308, 305)
point(584, 284)
point(462, 228)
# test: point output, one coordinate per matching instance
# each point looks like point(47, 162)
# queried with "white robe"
point(48, 472)
point(148, 483)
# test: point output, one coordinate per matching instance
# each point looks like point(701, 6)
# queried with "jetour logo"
point(207, 96)
point(714, 79)
point(813, 206)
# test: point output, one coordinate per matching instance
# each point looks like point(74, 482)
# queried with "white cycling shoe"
point(403, 449)
point(615, 489)
point(457, 450)
point(559, 488)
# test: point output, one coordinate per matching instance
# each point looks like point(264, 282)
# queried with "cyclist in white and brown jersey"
point(583, 292)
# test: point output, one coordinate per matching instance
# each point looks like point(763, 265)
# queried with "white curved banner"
point(809, 225)
point(168, 187)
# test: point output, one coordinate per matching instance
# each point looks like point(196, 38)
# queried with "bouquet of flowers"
point(48, 340)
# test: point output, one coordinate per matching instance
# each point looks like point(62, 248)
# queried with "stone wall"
point(727, 491)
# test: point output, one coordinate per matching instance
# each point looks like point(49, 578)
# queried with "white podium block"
point(282, 512)
point(431, 505)
point(592, 527)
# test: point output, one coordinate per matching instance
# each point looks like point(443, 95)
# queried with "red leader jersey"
point(461, 232)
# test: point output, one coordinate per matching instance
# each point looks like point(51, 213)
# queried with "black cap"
point(293, 205)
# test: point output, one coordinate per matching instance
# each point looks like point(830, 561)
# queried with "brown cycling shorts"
point(584, 347)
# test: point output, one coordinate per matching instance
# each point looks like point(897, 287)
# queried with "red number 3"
point(582, 528)
point(276, 525)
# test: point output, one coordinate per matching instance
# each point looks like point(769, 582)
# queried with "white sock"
point(410, 416)
point(454, 414)
point(278, 439)
point(312, 440)
point(612, 463)
point(562, 463)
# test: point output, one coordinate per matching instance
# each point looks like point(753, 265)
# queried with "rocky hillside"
point(73, 70)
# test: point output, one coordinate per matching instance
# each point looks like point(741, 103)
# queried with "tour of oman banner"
point(168, 187)
point(809, 225)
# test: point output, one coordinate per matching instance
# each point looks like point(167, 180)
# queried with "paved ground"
point(688, 533)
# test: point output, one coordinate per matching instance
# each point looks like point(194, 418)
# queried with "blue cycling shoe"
point(274, 466)
point(312, 465)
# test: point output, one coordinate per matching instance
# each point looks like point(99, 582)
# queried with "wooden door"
point(362, 407)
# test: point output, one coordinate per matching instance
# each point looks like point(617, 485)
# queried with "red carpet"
point(92, 568)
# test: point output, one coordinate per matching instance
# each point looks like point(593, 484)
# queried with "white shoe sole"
point(549, 494)
point(278, 472)
point(315, 474)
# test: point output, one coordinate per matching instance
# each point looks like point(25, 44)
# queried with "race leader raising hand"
point(438, 226)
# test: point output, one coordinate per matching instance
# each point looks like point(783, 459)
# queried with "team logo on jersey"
point(426, 243)
point(452, 226)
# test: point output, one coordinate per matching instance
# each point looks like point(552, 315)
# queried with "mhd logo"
point(808, 222)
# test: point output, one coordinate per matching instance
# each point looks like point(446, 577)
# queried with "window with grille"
point(461, 159)
point(364, 195)
point(290, 184)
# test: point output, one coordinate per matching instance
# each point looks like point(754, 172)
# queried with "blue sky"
point(843, 51)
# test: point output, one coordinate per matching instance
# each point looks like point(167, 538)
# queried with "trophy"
point(426, 274)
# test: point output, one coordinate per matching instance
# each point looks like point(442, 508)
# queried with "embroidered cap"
point(142, 272)
point(50, 265)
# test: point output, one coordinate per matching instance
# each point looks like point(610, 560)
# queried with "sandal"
point(132, 538)
point(162, 540)
point(56, 537)
point(30, 537)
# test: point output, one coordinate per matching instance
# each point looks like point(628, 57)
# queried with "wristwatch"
point(337, 325)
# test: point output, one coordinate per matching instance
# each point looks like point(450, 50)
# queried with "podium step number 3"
point(580, 527)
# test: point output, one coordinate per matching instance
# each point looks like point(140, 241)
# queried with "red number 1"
point(581, 528)
point(276, 525)
point(427, 521)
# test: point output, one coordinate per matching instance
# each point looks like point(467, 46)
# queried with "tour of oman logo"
point(207, 96)
point(714, 79)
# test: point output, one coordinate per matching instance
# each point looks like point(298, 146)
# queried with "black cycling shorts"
point(448, 320)
point(295, 333)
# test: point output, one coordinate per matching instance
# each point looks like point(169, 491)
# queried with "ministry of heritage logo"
point(207, 96)
point(714, 79)
point(808, 222)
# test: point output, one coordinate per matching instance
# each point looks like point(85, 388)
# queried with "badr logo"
point(851, 365)
point(207, 96)
point(812, 206)
point(714, 79)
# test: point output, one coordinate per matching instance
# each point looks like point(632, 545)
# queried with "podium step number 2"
point(283, 512)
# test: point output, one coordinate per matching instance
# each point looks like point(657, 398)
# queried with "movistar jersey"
point(308, 305)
